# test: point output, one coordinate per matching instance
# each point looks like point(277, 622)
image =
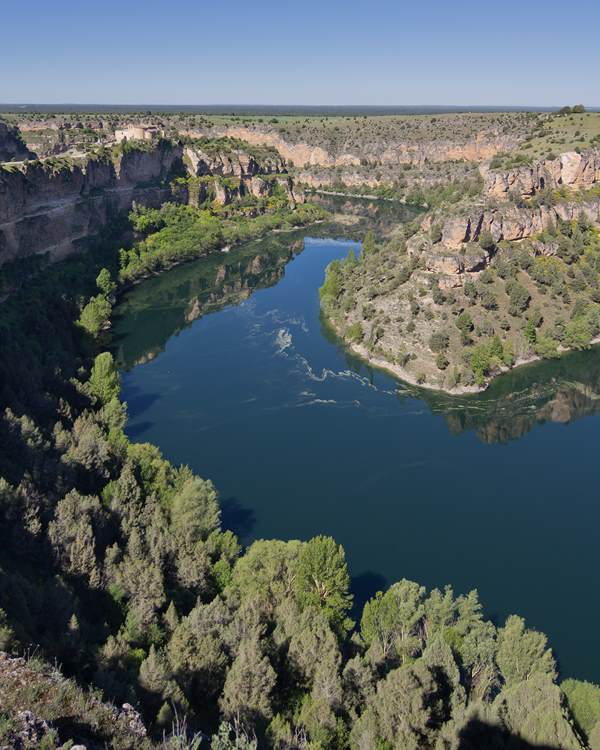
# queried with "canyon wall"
point(49, 206)
point(576, 171)
point(455, 249)
point(479, 147)
point(48, 209)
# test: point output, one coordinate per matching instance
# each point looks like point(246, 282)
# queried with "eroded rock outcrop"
point(457, 250)
point(233, 163)
point(571, 170)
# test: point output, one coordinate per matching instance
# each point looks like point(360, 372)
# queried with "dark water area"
point(228, 367)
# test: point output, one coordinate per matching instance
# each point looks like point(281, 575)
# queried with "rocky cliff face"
point(12, 147)
point(572, 170)
point(235, 163)
point(479, 147)
point(457, 250)
point(45, 209)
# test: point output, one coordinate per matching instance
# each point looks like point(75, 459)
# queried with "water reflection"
point(559, 390)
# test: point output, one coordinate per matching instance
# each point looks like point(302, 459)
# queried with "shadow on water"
point(364, 586)
point(478, 735)
point(135, 431)
point(137, 404)
point(237, 518)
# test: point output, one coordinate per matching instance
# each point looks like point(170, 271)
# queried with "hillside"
point(473, 290)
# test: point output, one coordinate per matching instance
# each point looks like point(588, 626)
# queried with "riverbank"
point(403, 374)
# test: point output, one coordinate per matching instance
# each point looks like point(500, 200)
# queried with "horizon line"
point(283, 105)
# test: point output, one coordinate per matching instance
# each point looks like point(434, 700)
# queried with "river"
point(228, 367)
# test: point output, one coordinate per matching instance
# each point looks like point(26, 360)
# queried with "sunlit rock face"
point(571, 170)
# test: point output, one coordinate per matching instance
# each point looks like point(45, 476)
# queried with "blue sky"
point(327, 52)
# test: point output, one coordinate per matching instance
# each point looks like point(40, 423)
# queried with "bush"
point(584, 702)
point(438, 341)
point(518, 296)
point(441, 361)
point(546, 347)
point(355, 333)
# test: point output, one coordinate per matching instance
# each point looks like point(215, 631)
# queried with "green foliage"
point(95, 315)
point(183, 233)
point(583, 699)
point(519, 297)
point(368, 244)
point(438, 341)
point(105, 283)
point(546, 347)
point(323, 581)
point(522, 652)
point(578, 334)
point(195, 510)
point(354, 333)
point(104, 379)
point(486, 357)
point(486, 241)
point(332, 286)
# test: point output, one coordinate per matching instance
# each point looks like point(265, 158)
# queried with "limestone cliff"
point(576, 171)
point(476, 148)
point(46, 208)
point(456, 249)
point(235, 162)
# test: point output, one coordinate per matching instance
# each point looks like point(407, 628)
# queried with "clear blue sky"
point(300, 52)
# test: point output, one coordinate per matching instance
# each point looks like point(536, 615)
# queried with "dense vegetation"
point(114, 562)
point(535, 298)
point(175, 233)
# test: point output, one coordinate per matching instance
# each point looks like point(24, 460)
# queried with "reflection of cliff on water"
point(382, 216)
point(559, 390)
point(162, 306)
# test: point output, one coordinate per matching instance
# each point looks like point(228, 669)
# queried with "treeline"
point(114, 562)
point(180, 233)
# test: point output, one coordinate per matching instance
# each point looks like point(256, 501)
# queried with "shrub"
point(438, 341)
point(441, 361)
point(355, 333)
point(546, 347)
point(518, 296)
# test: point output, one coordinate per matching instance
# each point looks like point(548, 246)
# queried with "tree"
point(368, 244)
point(438, 341)
point(248, 686)
point(390, 620)
point(486, 241)
point(104, 378)
point(519, 297)
point(105, 283)
point(195, 510)
point(95, 315)
point(323, 581)
point(584, 701)
point(154, 675)
point(409, 707)
point(522, 652)
point(464, 323)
